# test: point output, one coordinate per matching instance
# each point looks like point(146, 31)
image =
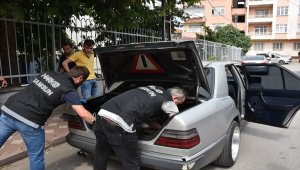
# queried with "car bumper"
point(151, 160)
point(81, 142)
point(289, 61)
point(193, 164)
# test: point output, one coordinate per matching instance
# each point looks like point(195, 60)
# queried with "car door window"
point(209, 73)
point(291, 81)
point(231, 83)
point(273, 79)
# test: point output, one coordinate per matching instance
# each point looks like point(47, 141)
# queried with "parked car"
point(277, 58)
point(220, 95)
point(259, 59)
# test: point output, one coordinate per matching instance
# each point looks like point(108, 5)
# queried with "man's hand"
point(3, 82)
point(155, 125)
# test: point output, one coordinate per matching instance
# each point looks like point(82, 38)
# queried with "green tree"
point(209, 34)
point(228, 35)
point(112, 13)
point(116, 14)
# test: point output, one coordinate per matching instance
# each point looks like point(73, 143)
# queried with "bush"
point(212, 58)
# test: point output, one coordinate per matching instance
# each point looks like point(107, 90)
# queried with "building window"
point(260, 30)
point(298, 28)
point(261, 13)
point(218, 11)
point(284, 10)
point(297, 46)
point(215, 25)
point(258, 46)
point(277, 46)
point(281, 28)
point(194, 28)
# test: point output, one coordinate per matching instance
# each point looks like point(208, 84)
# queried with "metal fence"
point(212, 51)
point(29, 48)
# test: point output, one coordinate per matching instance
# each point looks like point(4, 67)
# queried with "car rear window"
point(255, 58)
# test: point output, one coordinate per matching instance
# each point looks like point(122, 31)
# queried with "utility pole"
point(53, 43)
point(163, 20)
point(166, 33)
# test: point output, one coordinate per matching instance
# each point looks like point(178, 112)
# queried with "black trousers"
point(124, 144)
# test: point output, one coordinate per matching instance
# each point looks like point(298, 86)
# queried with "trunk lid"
point(156, 61)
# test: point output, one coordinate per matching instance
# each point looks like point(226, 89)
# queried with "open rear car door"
point(272, 94)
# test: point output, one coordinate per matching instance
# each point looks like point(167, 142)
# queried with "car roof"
point(217, 63)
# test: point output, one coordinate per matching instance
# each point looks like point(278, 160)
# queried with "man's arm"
point(83, 113)
point(73, 99)
point(65, 64)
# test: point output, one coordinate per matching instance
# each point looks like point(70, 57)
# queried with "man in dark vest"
point(28, 110)
point(115, 126)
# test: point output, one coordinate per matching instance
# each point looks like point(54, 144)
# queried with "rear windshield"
point(254, 58)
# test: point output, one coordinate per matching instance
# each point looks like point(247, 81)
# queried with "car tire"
point(281, 62)
point(230, 151)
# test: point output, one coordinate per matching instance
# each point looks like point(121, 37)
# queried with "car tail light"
point(179, 139)
point(74, 122)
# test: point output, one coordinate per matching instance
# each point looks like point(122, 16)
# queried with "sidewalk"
point(14, 149)
point(56, 130)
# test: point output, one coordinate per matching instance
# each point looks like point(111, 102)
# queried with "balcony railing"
point(261, 2)
point(260, 16)
point(259, 33)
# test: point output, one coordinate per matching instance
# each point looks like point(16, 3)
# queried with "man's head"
point(68, 48)
point(178, 95)
point(79, 74)
point(88, 47)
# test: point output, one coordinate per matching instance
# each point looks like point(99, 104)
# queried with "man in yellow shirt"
point(85, 57)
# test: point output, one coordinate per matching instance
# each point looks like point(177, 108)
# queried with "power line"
point(218, 11)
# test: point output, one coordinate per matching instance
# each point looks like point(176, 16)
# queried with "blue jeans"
point(34, 139)
point(124, 144)
point(90, 88)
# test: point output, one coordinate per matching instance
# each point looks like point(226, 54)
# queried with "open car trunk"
point(165, 64)
point(144, 131)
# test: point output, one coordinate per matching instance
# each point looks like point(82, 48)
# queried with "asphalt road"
point(262, 148)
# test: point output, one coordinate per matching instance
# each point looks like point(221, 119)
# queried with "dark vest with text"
point(136, 105)
point(37, 101)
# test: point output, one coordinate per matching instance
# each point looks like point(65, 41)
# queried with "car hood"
point(156, 61)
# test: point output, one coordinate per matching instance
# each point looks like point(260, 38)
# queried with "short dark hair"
point(68, 44)
point(79, 71)
point(88, 42)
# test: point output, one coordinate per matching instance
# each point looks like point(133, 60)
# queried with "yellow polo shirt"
point(81, 59)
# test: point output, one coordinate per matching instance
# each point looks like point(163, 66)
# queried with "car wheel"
point(230, 151)
point(281, 62)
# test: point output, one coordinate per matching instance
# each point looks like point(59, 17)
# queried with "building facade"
point(272, 25)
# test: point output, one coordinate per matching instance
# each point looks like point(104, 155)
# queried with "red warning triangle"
point(144, 63)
